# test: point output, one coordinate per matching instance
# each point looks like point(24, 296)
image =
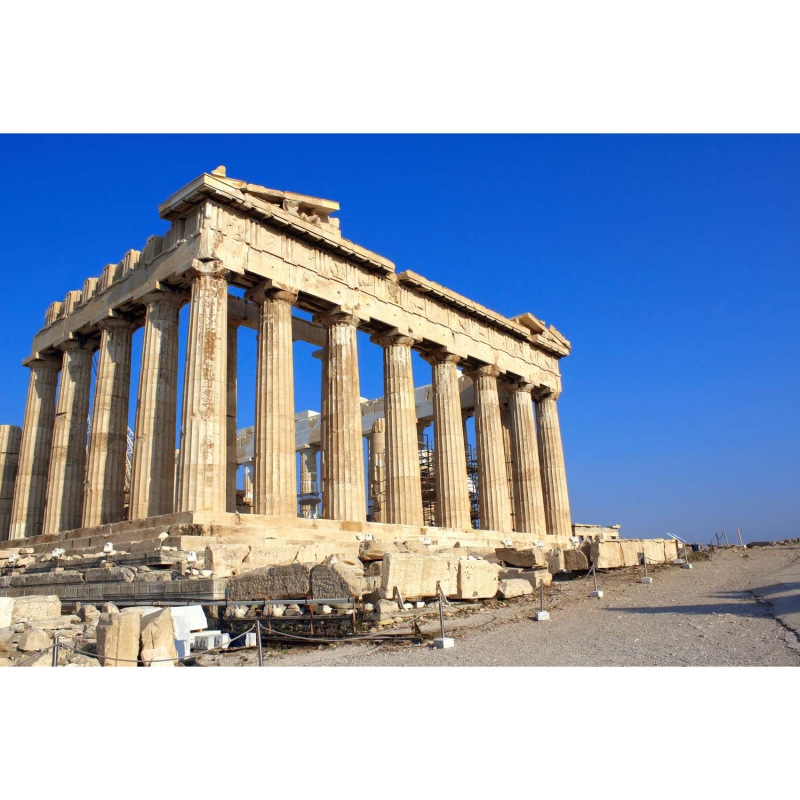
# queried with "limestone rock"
point(118, 638)
point(156, 576)
point(336, 578)
point(272, 583)
point(7, 636)
point(112, 575)
point(555, 560)
point(55, 624)
point(386, 607)
point(6, 662)
point(528, 557)
point(79, 660)
point(415, 575)
point(6, 611)
point(34, 640)
point(159, 656)
point(376, 551)
point(227, 560)
point(89, 613)
point(36, 607)
point(575, 561)
point(516, 587)
point(109, 608)
point(158, 632)
point(477, 579)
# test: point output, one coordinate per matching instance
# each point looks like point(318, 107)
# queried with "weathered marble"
point(553, 470)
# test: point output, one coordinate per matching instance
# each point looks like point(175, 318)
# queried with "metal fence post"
point(258, 643)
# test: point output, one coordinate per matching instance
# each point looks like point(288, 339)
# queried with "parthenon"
point(282, 251)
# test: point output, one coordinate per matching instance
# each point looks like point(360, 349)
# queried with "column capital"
point(162, 296)
point(519, 385)
point(115, 323)
point(440, 356)
point(76, 344)
point(545, 392)
point(42, 362)
point(391, 338)
point(338, 315)
point(269, 290)
point(485, 371)
point(213, 268)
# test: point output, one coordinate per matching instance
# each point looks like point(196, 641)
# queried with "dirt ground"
point(706, 616)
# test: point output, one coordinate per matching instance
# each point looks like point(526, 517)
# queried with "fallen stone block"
point(376, 551)
point(528, 557)
point(416, 575)
point(6, 611)
point(57, 623)
point(36, 607)
point(118, 637)
point(109, 575)
point(272, 583)
point(6, 662)
point(335, 578)
point(159, 657)
point(477, 580)
point(7, 636)
point(158, 632)
point(156, 576)
point(575, 561)
point(79, 660)
point(227, 560)
point(89, 613)
point(555, 560)
point(384, 606)
point(47, 578)
point(33, 641)
point(516, 587)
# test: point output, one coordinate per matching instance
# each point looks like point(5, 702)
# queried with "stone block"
point(514, 587)
point(415, 575)
point(34, 640)
point(387, 607)
point(6, 611)
point(79, 660)
point(335, 579)
point(89, 614)
point(477, 579)
point(272, 583)
point(47, 578)
point(158, 632)
point(376, 551)
point(118, 637)
point(36, 607)
point(109, 575)
point(57, 623)
point(575, 561)
point(227, 560)
point(528, 557)
point(7, 636)
point(555, 561)
point(159, 656)
point(188, 618)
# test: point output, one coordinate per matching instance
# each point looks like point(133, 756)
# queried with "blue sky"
point(670, 262)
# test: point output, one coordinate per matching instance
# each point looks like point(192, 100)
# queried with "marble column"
point(104, 489)
point(551, 459)
point(153, 470)
point(232, 374)
point(10, 440)
point(67, 471)
point(529, 514)
point(505, 421)
point(202, 472)
point(275, 460)
point(492, 479)
point(322, 356)
point(377, 469)
point(343, 475)
point(452, 495)
point(30, 493)
point(403, 486)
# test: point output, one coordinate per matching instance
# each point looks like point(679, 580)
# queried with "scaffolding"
point(427, 470)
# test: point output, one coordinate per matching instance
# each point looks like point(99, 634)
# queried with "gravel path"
point(706, 616)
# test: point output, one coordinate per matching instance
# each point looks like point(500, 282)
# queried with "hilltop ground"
point(706, 616)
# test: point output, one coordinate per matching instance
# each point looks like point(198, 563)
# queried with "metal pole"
point(541, 596)
point(739, 534)
point(644, 558)
point(594, 572)
point(55, 651)
point(441, 613)
point(258, 643)
point(727, 541)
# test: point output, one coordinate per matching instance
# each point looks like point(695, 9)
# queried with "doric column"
point(528, 502)
point(10, 439)
point(232, 375)
point(322, 356)
point(275, 476)
point(343, 463)
point(452, 495)
point(309, 497)
point(68, 455)
point(505, 421)
point(104, 494)
point(30, 493)
point(377, 469)
point(153, 470)
point(403, 487)
point(492, 478)
point(554, 474)
point(202, 472)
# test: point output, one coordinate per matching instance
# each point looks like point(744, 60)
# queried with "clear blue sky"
point(671, 263)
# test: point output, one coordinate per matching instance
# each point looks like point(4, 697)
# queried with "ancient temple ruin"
point(287, 252)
